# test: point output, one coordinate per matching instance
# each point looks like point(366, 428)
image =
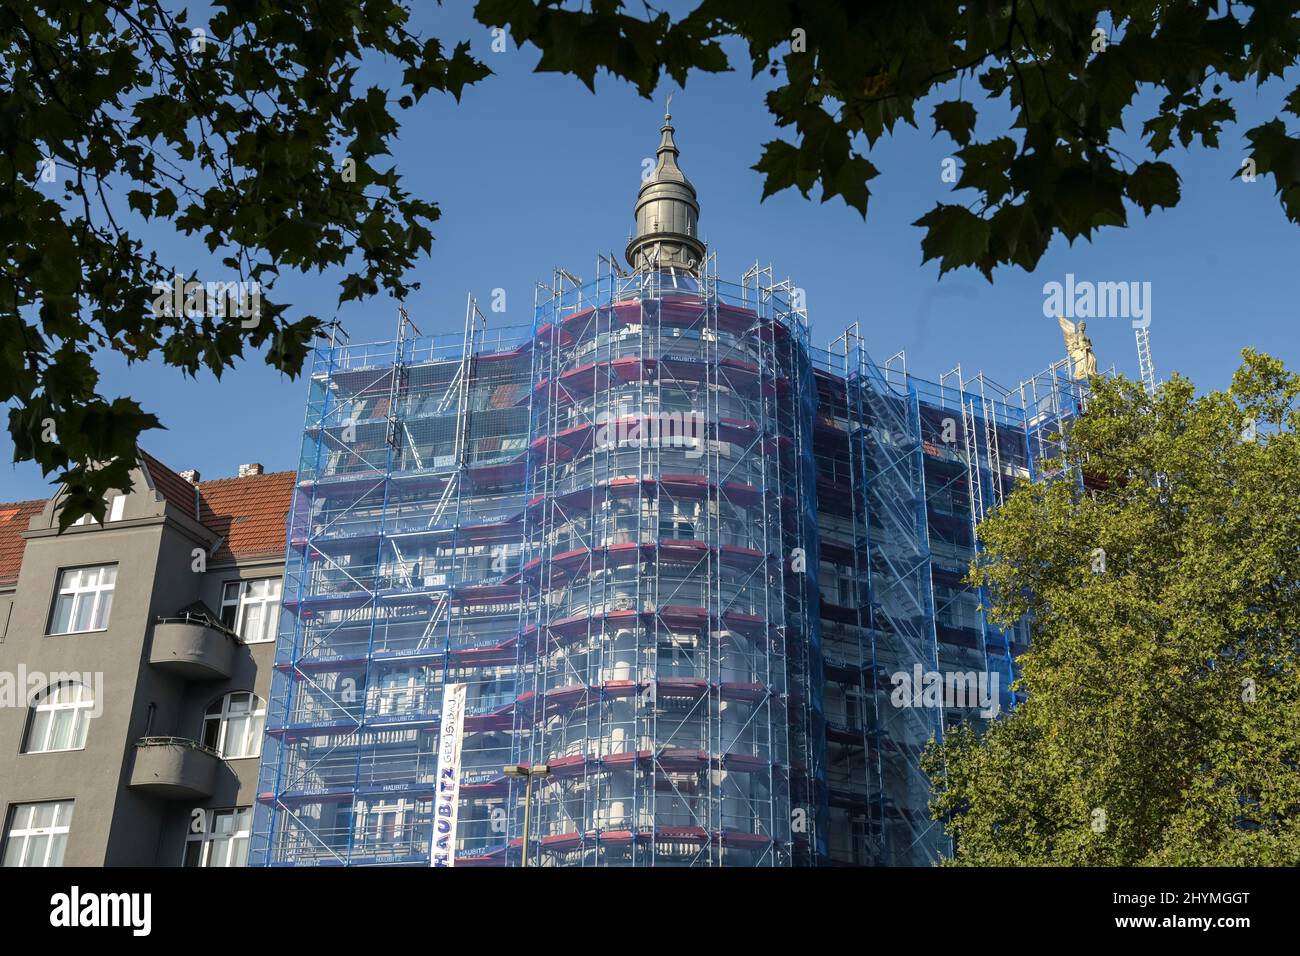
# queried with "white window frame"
point(244, 599)
point(386, 823)
point(19, 827)
point(254, 729)
point(399, 690)
point(98, 593)
point(223, 844)
point(50, 702)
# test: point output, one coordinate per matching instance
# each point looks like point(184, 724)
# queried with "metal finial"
point(667, 211)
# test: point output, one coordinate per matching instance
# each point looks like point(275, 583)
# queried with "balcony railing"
point(175, 768)
point(194, 647)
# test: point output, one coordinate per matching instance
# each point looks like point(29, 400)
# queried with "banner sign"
point(451, 732)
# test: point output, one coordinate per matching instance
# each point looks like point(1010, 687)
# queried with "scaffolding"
point(595, 524)
point(1146, 365)
point(906, 469)
point(401, 577)
point(665, 433)
point(676, 554)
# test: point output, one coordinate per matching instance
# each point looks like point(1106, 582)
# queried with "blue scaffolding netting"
point(675, 554)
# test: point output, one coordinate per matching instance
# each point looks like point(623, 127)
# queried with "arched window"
point(60, 718)
point(233, 725)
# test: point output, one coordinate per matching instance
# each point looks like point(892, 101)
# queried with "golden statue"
point(1079, 347)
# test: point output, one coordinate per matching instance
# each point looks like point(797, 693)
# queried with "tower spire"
point(667, 213)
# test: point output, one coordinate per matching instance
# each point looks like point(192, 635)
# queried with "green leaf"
point(780, 166)
point(140, 201)
point(956, 118)
point(165, 203)
point(1277, 153)
point(955, 236)
point(1153, 184)
point(1293, 102)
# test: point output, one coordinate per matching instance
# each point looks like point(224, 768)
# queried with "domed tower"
point(660, 627)
point(667, 215)
point(597, 535)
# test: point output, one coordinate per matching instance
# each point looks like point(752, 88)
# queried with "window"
point(85, 597)
point(387, 826)
point(250, 608)
point(37, 833)
point(222, 838)
point(399, 692)
point(115, 506)
point(60, 718)
point(233, 725)
point(853, 708)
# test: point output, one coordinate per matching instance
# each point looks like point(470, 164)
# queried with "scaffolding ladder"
point(1146, 367)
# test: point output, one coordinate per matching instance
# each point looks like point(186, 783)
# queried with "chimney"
point(254, 468)
point(191, 475)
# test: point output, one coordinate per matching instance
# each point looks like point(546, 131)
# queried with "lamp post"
point(529, 773)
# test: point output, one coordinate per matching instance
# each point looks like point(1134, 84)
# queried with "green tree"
point(247, 130)
point(241, 135)
point(1162, 724)
point(1056, 75)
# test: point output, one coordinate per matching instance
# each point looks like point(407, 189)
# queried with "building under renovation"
point(678, 556)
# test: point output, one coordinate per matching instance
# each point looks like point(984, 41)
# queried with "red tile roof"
point(249, 513)
point(13, 522)
point(176, 491)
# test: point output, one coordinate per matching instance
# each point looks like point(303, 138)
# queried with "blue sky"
point(533, 171)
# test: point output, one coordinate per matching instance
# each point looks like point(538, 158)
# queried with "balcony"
point(193, 648)
point(174, 768)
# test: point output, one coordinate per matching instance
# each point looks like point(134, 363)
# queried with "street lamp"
point(529, 773)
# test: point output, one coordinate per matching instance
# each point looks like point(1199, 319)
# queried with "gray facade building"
point(134, 667)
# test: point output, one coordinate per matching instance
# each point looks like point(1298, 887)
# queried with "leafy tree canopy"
point(241, 136)
point(849, 73)
point(248, 131)
point(1162, 724)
